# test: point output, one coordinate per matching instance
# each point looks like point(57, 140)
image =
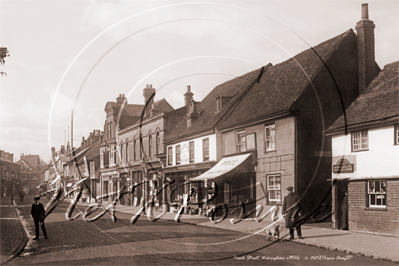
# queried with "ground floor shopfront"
point(231, 184)
point(180, 191)
point(366, 205)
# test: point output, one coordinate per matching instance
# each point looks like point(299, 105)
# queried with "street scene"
point(166, 242)
point(199, 133)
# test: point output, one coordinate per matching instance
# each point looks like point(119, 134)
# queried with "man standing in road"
point(38, 213)
point(290, 200)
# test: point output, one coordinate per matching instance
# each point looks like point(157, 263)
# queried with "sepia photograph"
point(171, 132)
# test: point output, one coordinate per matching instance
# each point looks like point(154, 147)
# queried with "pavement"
point(17, 232)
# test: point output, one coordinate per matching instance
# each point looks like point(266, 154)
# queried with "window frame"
point(205, 149)
point(396, 134)
point(361, 138)
point(141, 147)
point(149, 145)
point(269, 188)
point(370, 194)
point(170, 155)
point(127, 152)
point(178, 154)
point(270, 138)
point(191, 147)
point(134, 150)
point(158, 143)
point(241, 141)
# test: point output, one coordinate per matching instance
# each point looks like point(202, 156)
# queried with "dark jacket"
point(37, 211)
point(290, 200)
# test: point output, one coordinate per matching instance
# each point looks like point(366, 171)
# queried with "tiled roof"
point(31, 160)
point(282, 84)
point(94, 151)
point(380, 100)
point(208, 116)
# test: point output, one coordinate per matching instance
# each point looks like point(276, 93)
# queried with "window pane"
point(383, 187)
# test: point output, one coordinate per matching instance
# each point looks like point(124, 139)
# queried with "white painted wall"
point(197, 149)
point(381, 160)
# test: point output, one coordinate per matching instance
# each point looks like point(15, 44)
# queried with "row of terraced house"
point(325, 122)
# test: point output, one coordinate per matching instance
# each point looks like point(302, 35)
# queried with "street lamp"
point(12, 187)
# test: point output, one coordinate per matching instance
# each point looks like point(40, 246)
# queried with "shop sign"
point(187, 167)
point(343, 165)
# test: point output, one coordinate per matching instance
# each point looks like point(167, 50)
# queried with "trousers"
point(298, 231)
point(37, 228)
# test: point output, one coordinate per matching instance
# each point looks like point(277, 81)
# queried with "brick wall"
point(383, 221)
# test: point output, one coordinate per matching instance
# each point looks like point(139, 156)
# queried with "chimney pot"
point(365, 11)
point(188, 88)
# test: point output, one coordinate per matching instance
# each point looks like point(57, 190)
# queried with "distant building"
point(32, 172)
point(10, 174)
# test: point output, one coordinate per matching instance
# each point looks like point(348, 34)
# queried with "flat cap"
point(36, 198)
point(290, 188)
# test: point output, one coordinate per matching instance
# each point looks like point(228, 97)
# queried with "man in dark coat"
point(37, 213)
point(289, 201)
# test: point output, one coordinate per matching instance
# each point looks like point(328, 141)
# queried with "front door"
point(343, 206)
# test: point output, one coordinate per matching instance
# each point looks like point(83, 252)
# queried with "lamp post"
point(12, 187)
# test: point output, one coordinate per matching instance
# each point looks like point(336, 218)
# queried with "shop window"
point(205, 147)
point(377, 193)
point(226, 192)
point(149, 145)
point(270, 138)
point(274, 188)
point(177, 154)
point(191, 147)
point(396, 134)
point(170, 155)
point(241, 147)
point(360, 140)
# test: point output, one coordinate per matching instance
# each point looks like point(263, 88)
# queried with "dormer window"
point(218, 104)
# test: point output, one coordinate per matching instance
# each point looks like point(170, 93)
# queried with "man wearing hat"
point(38, 213)
point(290, 200)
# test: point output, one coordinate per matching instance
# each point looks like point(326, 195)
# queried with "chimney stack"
point(149, 95)
point(188, 96)
point(366, 49)
point(120, 99)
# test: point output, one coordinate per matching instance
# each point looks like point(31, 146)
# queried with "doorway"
point(343, 206)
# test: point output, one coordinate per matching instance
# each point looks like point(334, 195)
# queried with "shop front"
point(176, 193)
point(234, 180)
point(108, 182)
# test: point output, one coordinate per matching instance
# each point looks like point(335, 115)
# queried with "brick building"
point(365, 150)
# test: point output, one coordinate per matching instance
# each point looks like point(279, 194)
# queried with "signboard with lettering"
point(224, 166)
point(343, 165)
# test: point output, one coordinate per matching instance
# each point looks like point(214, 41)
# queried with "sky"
point(76, 55)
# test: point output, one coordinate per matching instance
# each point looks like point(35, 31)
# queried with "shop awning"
point(223, 167)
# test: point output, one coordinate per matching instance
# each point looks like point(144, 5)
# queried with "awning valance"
point(225, 166)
